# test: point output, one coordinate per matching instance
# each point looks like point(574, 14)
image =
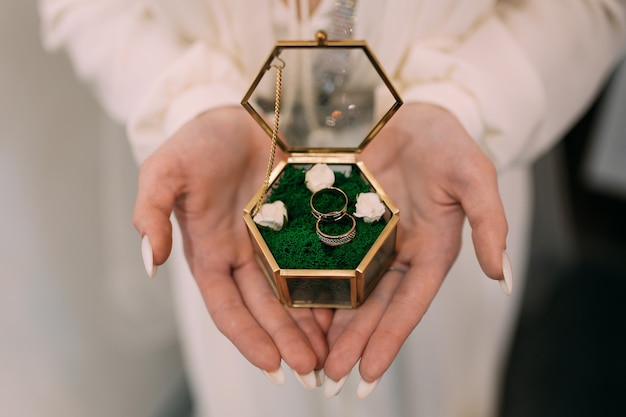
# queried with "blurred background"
point(84, 332)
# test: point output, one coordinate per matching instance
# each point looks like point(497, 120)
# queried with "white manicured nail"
point(507, 270)
point(308, 381)
point(332, 388)
point(365, 388)
point(320, 376)
point(148, 257)
point(277, 376)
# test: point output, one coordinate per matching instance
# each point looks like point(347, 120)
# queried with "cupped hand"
point(437, 176)
point(206, 173)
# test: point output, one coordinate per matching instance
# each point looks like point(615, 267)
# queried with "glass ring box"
point(331, 98)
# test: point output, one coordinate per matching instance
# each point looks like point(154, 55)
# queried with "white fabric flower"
point(369, 207)
point(272, 215)
point(318, 177)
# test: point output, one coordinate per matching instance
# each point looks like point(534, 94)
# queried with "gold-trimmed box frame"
point(325, 288)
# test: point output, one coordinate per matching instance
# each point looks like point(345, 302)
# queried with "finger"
point(351, 329)
point(292, 343)
point(307, 322)
point(231, 316)
point(406, 309)
point(324, 318)
point(411, 299)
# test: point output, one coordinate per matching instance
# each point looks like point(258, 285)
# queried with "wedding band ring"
point(333, 215)
point(336, 240)
point(399, 269)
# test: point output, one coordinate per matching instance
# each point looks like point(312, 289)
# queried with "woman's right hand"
point(206, 173)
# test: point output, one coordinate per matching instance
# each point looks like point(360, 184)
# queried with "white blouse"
point(515, 73)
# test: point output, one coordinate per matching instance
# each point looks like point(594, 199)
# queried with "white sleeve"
point(521, 74)
point(146, 74)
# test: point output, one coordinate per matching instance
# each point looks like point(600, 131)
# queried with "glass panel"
point(319, 291)
point(328, 100)
point(375, 270)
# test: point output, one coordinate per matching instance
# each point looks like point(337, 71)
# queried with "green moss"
point(297, 246)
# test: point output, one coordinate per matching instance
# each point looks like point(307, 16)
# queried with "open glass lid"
point(333, 95)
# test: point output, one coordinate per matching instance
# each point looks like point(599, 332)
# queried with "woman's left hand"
point(437, 175)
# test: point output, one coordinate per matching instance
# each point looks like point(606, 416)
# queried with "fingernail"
point(308, 381)
point(507, 270)
point(332, 388)
point(148, 258)
point(277, 376)
point(320, 377)
point(365, 388)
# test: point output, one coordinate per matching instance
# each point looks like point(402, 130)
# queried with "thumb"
point(487, 219)
point(151, 216)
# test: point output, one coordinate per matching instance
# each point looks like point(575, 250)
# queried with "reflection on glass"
point(327, 98)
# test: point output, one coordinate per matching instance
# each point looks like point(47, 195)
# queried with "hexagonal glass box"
point(334, 99)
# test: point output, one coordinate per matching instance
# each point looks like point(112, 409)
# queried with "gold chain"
point(270, 163)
